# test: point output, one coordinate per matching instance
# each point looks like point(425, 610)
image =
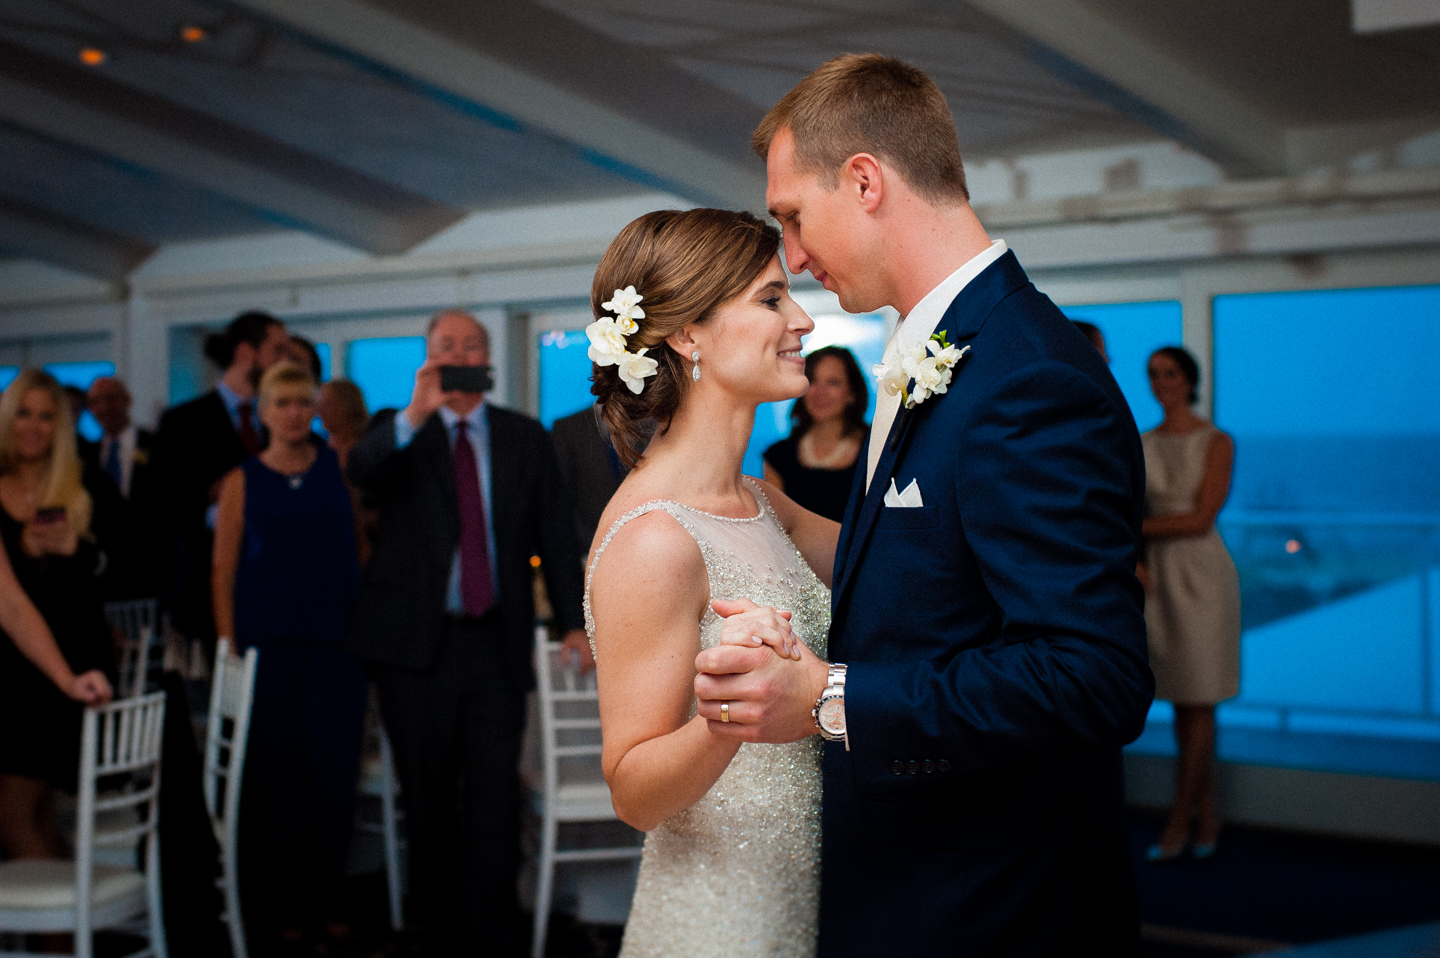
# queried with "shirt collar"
point(230, 397)
point(474, 420)
point(920, 324)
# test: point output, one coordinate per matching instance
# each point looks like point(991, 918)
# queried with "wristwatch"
point(829, 710)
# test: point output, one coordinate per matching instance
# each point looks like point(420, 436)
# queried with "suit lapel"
point(961, 322)
point(433, 441)
point(871, 504)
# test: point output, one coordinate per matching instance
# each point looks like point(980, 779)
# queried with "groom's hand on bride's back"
point(770, 697)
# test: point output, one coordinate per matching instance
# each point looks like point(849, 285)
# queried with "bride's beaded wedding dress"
point(738, 873)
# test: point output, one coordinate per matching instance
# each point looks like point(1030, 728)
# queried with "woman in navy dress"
point(815, 466)
point(285, 576)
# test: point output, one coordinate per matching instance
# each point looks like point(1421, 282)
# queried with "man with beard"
point(199, 442)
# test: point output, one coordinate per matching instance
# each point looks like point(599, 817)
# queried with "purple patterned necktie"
point(477, 592)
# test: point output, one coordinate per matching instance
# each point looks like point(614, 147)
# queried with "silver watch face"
point(832, 715)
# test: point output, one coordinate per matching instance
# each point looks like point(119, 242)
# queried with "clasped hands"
point(762, 670)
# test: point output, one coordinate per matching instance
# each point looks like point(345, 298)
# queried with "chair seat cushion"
point(38, 884)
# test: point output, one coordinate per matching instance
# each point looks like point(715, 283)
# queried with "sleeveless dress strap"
point(676, 512)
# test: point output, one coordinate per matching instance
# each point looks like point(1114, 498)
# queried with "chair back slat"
point(232, 687)
point(122, 736)
point(140, 655)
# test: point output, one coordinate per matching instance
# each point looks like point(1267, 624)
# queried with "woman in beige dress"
point(1192, 603)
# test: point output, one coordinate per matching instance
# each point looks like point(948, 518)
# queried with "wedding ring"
point(724, 711)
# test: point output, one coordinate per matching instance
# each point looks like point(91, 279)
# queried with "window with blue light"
point(81, 375)
point(384, 369)
point(8, 374)
point(1334, 511)
point(324, 350)
point(1133, 331)
point(565, 368)
point(564, 374)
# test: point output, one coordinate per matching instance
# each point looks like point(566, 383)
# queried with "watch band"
point(834, 689)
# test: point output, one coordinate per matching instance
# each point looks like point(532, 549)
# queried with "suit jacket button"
point(897, 767)
point(913, 767)
point(944, 765)
point(928, 766)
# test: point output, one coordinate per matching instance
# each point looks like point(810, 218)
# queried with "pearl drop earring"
point(695, 358)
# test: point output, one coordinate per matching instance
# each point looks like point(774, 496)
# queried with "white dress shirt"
point(915, 328)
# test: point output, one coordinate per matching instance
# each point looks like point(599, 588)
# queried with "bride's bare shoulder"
point(652, 546)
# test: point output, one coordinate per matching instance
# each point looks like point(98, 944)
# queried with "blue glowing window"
point(81, 375)
point(385, 369)
point(1132, 332)
point(1334, 511)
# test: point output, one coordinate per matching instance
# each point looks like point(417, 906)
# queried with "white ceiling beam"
point(1145, 83)
point(1378, 16)
point(614, 142)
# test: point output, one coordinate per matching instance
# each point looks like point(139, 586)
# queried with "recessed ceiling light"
point(190, 33)
point(93, 56)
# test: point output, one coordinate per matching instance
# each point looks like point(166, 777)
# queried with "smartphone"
point(466, 379)
point(50, 514)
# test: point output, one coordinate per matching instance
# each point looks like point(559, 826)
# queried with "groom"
point(987, 641)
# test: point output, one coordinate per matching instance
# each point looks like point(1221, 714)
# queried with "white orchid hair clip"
point(608, 336)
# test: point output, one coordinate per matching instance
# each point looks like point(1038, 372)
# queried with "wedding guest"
point(57, 651)
point(589, 467)
point(125, 505)
point(1096, 337)
point(467, 493)
point(815, 466)
point(199, 443)
point(285, 576)
point(1192, 603)
point(125, 450)
point(302, 352)
point(343, 414)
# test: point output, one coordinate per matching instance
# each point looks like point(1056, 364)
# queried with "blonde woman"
point(56, 651)
point(285, 576)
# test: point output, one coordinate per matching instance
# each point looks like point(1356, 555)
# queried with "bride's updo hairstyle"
point(684, 263)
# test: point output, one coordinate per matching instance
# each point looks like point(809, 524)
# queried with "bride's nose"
point(801, 322)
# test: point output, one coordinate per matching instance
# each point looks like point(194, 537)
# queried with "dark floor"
point(1264, 890)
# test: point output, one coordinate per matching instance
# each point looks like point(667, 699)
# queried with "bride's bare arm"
point(649, 591)
point(815, 536)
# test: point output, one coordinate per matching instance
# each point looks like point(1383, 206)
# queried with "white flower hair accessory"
point(925, 369)
point(608, 340)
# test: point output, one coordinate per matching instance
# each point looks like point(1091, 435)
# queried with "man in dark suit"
point(466, 494)
point(589, 468)
point(124, 455)
point(987, 635)
point(198, 443)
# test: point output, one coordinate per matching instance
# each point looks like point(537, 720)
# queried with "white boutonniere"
point(922, 371)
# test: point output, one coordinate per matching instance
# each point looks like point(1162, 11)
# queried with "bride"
point(698, 331)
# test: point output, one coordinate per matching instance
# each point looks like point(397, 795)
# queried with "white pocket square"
point(909, 499)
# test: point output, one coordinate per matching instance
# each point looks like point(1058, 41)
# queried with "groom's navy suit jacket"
point(995, 640)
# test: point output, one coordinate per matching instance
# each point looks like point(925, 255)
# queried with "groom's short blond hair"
point(868, 103)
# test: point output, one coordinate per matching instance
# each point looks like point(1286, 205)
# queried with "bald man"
point(466, 494)
point(124, 515)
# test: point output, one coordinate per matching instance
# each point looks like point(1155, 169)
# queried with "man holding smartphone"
point(467, 493)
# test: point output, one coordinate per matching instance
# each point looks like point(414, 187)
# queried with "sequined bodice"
point(738, 873)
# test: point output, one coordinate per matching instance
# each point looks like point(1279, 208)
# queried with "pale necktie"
point(886, 408)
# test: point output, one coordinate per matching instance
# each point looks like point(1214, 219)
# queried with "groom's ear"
point(864, 178)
